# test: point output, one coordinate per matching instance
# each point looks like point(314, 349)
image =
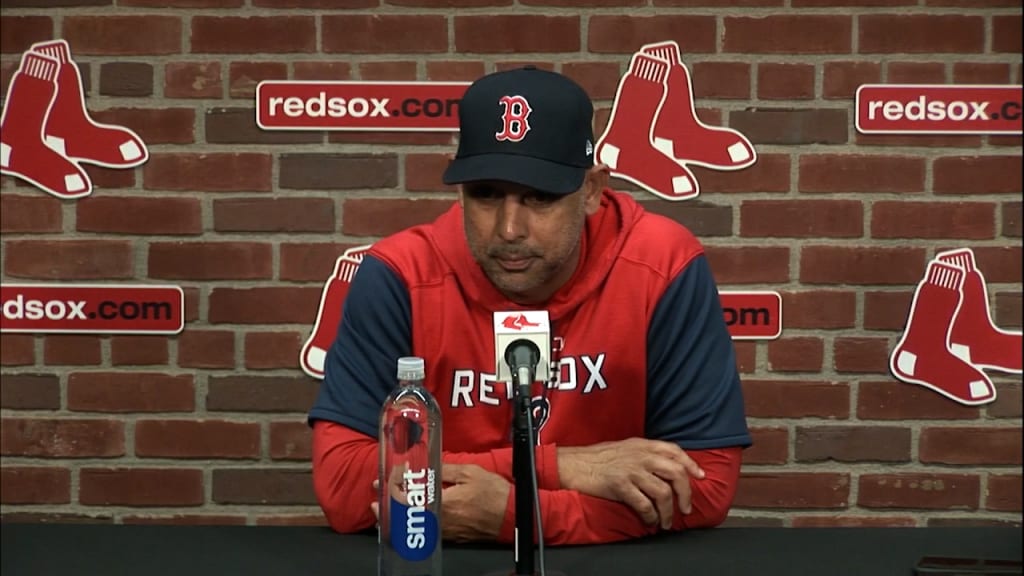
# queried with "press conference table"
point(116, 550)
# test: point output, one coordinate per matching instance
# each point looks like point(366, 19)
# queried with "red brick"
point(123, 35)
point(290, 441)
point(30, 214)
point(17, 350)
point(783, 81)
point(852, 444)
point(749, 265)
point(800, 218)
point(210, 260)
point(920, 33)
point(746, 356)
point(154, 126)
point(918, 140)
point(29, 391)
point(71, 350)
point(423, 173)
point(977, 175)
point(916, 73)
point(839, 265)
point(968, 220)
point(854, 522)
point(861, 173)
point(402, 138)
point(244, 76)
point(138, 350)
point(626, 34)
point(518, 33)
point(309, 262)
point(722, 80)
point(841, 79)
point(769, 174)
point(270, 350)
point(293, 215)
point(140, 487)
point(1007, 311)
point(328, 4)
point(321, 70)
point(502, 65)
point(187, 520)
point(18, 33)
point(918, 490)
point(236, 126)
point(261, 394)
point(853, 354)
point(381, 217)
point(599, 79)
point(999, 263)
point(1004, 493)
point(209, 439)
point(793, 490)
point(183, 3)
point(703, 219)
point(454, 70)
point(61, 438)
point(970, 446)
point(193, 80)
point(886, 310)
point(981, 73)
point(141, 216)
point(127, 79)
point(796, 399)
point(790, 127)
point(272, 305)
point(1007, 403)
point(130, 392)
point(1006, 34)
point(35, 485)
point(337, 171)
point(771, 446)
point(206, 349)
point(795, 355)
point(263, 486)
point(108, 178)
point(892, 400)
point(788, 34)
point(384, 34)
point(253, 35)
point(69, 259)
point(215, 172)
point(388, 71)
point(819, 309)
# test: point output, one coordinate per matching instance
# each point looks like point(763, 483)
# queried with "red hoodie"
point(645, 353)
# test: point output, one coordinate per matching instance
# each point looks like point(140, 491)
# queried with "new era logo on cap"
point(528, 126)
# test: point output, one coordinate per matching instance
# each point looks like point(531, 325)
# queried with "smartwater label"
point(414, 528)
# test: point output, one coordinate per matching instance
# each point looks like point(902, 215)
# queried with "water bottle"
point(409, 527)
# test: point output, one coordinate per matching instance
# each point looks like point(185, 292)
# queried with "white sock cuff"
point(962, 258)
point(944, 275)
point(648, 68)
point(56, 49)
point(39, 66)
point(667, 51)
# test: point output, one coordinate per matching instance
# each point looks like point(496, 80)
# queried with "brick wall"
point(208, 426)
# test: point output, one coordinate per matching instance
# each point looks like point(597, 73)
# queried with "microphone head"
point(529, 333)
point(522, 352)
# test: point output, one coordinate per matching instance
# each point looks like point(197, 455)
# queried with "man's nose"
point(512, 215)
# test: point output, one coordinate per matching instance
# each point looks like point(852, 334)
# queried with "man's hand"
point(643, 474)
point(473, 507)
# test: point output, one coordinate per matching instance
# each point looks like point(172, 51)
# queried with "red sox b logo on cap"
point(514, 119)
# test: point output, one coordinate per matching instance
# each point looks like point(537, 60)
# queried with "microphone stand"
point(523, 452)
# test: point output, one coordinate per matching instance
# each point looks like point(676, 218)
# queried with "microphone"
point(522, 352)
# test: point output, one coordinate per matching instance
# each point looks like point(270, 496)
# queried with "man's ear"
point(594, 184)
point(462, 193)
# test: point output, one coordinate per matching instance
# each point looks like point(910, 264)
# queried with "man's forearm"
point(571, 517)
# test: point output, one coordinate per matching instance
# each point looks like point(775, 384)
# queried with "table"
point(115, 550)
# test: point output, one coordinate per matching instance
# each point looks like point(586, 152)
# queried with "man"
point(646, 427)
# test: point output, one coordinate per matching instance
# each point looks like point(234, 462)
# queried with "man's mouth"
point(514, 264)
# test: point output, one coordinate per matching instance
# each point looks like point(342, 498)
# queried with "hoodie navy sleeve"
point(375, 330)
point(693, 386)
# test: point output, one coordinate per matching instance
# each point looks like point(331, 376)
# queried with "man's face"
point(527, 242)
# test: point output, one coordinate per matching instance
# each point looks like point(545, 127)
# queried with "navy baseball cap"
point(527, 126)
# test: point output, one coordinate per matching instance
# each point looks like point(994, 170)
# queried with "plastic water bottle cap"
point(411, 368)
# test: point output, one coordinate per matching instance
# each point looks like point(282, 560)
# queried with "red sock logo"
point(313, 356)
point(974, 337)
point(654, 133)
point(923, 355)
point(47, 131)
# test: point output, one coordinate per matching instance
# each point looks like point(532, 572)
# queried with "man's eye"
point(541, 199)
